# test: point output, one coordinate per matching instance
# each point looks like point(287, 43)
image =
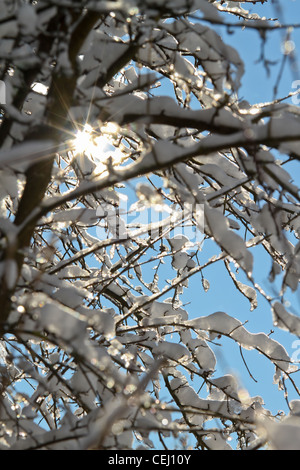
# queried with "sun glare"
point(98, 147)
point(83, 141)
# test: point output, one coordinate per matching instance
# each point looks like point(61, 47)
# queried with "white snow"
point(221, 323)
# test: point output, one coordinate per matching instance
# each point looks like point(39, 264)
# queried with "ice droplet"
point(205, 284)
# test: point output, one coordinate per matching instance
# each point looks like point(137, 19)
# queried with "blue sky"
point(256, 85)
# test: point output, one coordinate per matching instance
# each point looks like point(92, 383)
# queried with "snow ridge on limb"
point(220, 323)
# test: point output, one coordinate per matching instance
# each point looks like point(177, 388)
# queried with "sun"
point(83, 142)
point(98, 145)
